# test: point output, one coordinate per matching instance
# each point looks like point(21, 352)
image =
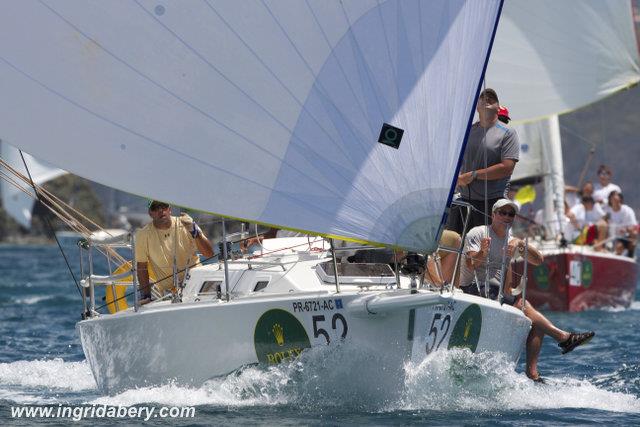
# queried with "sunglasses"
point(510, 214)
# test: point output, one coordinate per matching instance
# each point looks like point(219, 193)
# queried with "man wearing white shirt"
point(622, 219)
point(603, 188)
point(587, 212)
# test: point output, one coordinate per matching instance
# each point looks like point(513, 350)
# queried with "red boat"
point(577, 278)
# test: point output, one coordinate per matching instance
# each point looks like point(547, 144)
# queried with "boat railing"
point(89, 280)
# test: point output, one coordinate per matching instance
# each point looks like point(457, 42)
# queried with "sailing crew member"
point(500, 143)
point(159, 243)
point(604, 186)
point(622, 224)
point(482, 252)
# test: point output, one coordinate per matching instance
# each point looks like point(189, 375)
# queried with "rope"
point(51, 227)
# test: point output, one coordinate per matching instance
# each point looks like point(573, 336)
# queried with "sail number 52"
point(335, 319)
point(439, 328)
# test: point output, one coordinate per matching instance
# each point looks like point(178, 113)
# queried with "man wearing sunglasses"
point(157, 245)
point(483, 264)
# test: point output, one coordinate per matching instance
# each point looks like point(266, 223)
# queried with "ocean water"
point(41, 363)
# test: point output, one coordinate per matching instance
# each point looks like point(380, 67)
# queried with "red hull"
point(576, 281)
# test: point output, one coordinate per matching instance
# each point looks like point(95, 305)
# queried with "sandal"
point(575, 340)
point(538, 379)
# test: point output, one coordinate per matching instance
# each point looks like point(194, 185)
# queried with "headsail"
point(266, 111)
point(552, 56)
point(15, 201)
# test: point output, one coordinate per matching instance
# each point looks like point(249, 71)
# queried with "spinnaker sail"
point(269, 111)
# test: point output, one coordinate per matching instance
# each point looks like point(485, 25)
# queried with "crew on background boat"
point(622, 224)
point(604, 187)
point(159, 243)
point(485, 252)
point(502, 148)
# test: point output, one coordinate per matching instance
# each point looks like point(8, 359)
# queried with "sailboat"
point(589, 50)
point(339, 119)
point(573, 277)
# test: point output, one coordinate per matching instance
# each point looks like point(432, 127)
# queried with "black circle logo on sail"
point(279, 337)
point(466, 332)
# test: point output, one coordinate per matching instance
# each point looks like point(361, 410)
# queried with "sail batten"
point(265, 111)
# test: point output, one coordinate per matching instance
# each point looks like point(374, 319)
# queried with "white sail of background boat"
point(552, 57)
point(16, 202)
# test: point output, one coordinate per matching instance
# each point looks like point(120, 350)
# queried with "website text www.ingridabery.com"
point(80, 412)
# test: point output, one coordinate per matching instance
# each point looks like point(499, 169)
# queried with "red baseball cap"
point(504, 112)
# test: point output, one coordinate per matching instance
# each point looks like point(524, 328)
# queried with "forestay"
point(553, 56)
point(266, 111)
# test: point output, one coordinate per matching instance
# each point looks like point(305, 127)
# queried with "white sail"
point(267, 111)
point(553, 56)
point(17, 203)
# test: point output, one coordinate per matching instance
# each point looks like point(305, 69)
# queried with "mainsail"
point(17, 198)
point(268, 111)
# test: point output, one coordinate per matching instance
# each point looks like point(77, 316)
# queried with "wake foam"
point(347, 379)
point(486, 382)
point(635, 306)
point(55, 374)
point(344, 378)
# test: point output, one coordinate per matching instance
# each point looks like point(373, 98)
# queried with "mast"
point(554, 176)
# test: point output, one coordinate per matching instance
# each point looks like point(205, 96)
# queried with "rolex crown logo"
point(278, 332)
point(467, 328)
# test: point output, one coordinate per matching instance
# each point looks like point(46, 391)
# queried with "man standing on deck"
point(167, 238)
point(500, 144)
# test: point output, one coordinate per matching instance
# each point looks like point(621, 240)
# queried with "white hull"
point(190, 343)
point(281, 305)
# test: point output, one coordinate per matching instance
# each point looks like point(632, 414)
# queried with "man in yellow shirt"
point(167, 238)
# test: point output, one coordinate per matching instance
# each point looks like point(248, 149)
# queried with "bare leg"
point(534, 344)
point(539, 321)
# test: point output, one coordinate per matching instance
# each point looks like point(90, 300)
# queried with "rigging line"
point(50, 226)
point(7, 178)
point(577, 135)
point(54, 204)
point(174, 95)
